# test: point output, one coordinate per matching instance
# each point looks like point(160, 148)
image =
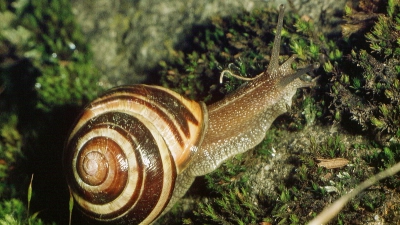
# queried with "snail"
point(137, 149)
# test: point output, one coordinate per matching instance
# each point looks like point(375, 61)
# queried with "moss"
point(230, 202)
point(233, 207)
point(365, 92)
point(13, 212)
point(383, 159)
point(312, 187)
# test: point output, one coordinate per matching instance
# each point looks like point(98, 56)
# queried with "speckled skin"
point(240, 121)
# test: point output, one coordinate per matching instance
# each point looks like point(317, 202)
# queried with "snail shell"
point(137, 149)
point(127, 149)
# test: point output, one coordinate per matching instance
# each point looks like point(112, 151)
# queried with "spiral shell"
point(126, 150)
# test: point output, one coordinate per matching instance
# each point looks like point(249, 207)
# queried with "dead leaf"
point(333, 163)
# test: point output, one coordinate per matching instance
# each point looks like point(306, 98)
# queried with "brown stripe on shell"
point(151, 106)
point(180, 113)
point(128, 125)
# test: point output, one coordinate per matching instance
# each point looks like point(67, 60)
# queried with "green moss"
point(233, 207)
point(13, 212)
point(366, 91)
point(385, 158)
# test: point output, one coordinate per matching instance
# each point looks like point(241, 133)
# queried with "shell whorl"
point(125, 151)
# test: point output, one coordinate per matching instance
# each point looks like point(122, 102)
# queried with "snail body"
point(137, 149)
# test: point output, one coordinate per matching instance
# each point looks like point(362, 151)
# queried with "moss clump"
point(385, 158)
point(312, 185)
point(233, 207)
point(366, 92)
point(13, 212)
point(231, 201)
